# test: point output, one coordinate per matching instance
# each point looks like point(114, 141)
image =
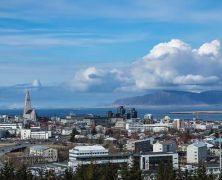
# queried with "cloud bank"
point(98, 80)
point(174, 64)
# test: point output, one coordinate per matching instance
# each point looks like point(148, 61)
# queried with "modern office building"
point(132, 113)
point(196, 152)
point(120, 111)
point(83, 155)
point(151, 161)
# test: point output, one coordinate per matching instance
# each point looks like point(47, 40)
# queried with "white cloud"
point(94, 79)
point(36, 83)
point(212, 48)
point(176, 63)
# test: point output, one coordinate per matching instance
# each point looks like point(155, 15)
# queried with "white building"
point(40, 135)
point(120, 124)
point(11, 126)
point(179, 124)
point(25, 134)
point(50, 154)
point(29, 134)
point(196, 152)
point(151, 161)
point(203, 126)
point(66, 131)
point(83, 155)
point(150, 127)
point(165, 146)
point(148, 119)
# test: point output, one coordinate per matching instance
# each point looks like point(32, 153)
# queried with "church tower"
point(27, 103)
point(29, 113)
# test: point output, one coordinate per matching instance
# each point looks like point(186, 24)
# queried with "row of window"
point(91, 153)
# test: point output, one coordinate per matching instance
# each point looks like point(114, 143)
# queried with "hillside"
point(166, 97)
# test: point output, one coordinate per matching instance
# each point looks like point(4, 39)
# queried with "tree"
point(160, 172)
point(69, 175)
point(109, 172)
point(201, 172)
point(8, 172)
point(23, 174)
point(93, 131)
point(134, 170)
point(124, 172)
point(166, 172)
point(187, 175)
point(74, 132)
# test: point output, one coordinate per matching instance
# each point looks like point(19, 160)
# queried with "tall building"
point(120, 111)
point(29, 113)
point(152, 160)
point(148, 119)
point(196, 152)
point(109, 114)
point(132, 113)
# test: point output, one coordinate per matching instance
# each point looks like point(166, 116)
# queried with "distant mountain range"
point(167, 97)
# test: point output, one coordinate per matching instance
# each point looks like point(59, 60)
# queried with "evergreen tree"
point(108, 172)
point(187, 175)
point(80, 173)
point(160, 172)
point(69, 175)
point(8, 172)
point(201, 172)
point(91, 172)
point(74, 132)
point(134, 170)
point(124, 172)
point(23, 174)
point(220, 176)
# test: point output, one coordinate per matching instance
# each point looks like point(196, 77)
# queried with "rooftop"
point(198, 144)
point(90, 148)
point(39, 148)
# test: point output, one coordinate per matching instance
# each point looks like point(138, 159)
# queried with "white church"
point(29, 113)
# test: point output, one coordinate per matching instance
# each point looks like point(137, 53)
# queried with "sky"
point(111, 46)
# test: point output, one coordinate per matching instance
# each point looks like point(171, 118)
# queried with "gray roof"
point(199, 144)
point(39, 148)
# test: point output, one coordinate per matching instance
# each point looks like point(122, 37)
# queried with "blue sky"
point(56, 41)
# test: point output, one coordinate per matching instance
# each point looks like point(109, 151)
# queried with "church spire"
point(27, 102)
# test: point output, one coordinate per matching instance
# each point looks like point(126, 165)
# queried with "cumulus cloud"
point(94, 79)
point(36, 83)
point(176, 63)
point(172, 64)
